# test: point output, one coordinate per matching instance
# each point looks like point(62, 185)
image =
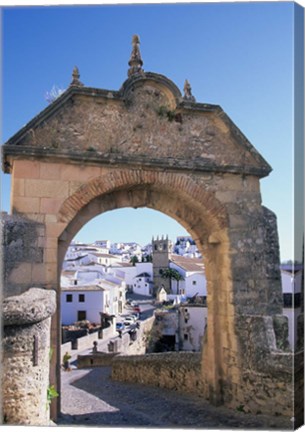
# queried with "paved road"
point(91, 398)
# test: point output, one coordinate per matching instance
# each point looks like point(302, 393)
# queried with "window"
point(69, 298)
point(81, 298)
point(186, 336)
point(81, 315)
point(194, 282)
point(291, 300)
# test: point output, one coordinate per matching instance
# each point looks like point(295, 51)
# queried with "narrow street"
point(91, 398)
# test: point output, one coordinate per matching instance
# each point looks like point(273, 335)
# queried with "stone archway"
point(204, 217)
point(146, 145)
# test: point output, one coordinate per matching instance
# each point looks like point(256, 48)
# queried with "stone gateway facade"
point(148, 145)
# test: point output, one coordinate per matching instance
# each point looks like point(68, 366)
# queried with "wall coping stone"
point(30, 307)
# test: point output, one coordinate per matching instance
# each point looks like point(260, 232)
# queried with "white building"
point(131, 273)
point(103, 244)
point(183, 326)
point(85, 302)
point(192, 270)
point(143, 280)
point(142, 284)
point(103, 259)
point(80, 260)
point(185, 246)
point(128, 270)
point(192, 325)
point(86, 294)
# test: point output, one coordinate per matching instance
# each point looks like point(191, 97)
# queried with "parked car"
point(136, 309)
point(120, 326)
point(136, 315)
point(129, 320)
point(134, 303)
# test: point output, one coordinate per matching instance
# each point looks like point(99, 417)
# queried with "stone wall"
point(266, 383)
point(26, 357)
point(172, 370)
point(22, 252)
point(95, 360)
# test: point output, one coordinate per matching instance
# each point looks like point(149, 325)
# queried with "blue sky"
point(237, 55)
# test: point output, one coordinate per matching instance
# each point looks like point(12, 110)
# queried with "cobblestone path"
point(91, 398)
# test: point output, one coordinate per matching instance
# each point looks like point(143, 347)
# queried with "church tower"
point(161, 252)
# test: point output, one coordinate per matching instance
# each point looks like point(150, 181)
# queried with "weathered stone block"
point(26, 205)
point(46, 188)
point(26, 169)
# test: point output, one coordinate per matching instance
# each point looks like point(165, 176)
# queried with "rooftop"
point(188, 264)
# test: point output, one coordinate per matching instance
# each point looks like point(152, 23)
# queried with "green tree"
point(134, 259)
point(149, 258)
point(172, 274)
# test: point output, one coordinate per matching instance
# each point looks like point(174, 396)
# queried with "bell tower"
point(161, 254)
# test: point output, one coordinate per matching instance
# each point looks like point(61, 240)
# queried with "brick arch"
point(181, 185)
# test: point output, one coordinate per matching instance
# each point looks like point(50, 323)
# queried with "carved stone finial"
point(135, 61)
point(75, 78)
point(188, 92)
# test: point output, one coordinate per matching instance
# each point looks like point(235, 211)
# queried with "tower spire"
point(135, 61)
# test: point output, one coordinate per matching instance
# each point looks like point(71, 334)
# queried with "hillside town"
point(100, 282)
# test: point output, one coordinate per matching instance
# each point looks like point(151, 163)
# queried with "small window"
point(81, 298)
point(69, 298)
point(185, 320)
point(81, 315)
point(186, 336)
point(194, 282)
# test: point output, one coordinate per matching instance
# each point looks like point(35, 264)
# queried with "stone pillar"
point(26, 357)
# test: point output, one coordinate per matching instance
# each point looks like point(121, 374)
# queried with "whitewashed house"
point(85, 302)
point(127, 269)
point(185, 246)
point(87, 274)
point(106, 260)
point(142, 284)
point(192, 324)
point(117, 293)
point(192, 270)
point(88, 293)
point(80, 260)
point(103, 244)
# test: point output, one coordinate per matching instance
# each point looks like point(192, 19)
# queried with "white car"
point(129, 320)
